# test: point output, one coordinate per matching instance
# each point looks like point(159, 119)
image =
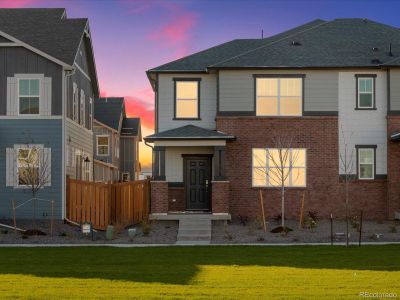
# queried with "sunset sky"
point(132, 36)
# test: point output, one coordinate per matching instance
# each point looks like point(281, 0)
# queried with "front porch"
point(189, 174)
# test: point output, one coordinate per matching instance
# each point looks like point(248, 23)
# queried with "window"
point(82, 110)
point(103, 145)
point(266, 167)
point(29, 96)
point(279, 96)
point(75, 102)
point(90, 113)
point(366, 162)
point(365, 92)
point(125, 176)
point(187, 99)
point(28, 166)
point(116, 147)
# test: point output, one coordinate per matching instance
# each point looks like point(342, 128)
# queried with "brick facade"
point(393, 171)
point(159, 197)
point(176, 199)
point(220, 196)
point(323, 194)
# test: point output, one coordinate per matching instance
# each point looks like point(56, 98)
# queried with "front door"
point(197, 183)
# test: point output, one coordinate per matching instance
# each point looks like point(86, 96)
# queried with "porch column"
point(159, 163)
point(219, 163)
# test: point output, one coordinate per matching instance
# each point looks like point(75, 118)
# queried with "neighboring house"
point(116, 142)
point(47, 83)
point(218, 109)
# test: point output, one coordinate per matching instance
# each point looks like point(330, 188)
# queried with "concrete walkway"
point(188, 244)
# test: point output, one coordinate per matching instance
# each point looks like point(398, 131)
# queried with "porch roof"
point(189, 132)
point(395, 137)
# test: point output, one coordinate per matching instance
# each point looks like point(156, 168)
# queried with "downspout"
point(152, 162)
point(66, 73)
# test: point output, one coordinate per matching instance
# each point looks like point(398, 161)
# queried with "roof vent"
point(375, 49)
point(295, 43)
point(375, 61)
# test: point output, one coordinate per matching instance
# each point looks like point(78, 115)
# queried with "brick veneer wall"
point(177, 194)
point(159, 197)
point(220, 196)
point(323, 194)
point(393, 167)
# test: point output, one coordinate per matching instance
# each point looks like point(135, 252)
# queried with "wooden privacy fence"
point(102, 204)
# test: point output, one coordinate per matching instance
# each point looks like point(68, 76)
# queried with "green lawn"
point(240, 272)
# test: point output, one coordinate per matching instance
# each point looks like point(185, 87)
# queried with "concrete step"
point(193, 230)
point(197, 237)
point(193, 243)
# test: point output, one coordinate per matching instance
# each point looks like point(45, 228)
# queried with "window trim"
point(75, 102)
point(372, 147)
point(82, 110)
point(278, 76)
point(267, 185)
point(108, 144)
point(19, 96)
point(364, 76)
point(90, 113)
point(198, 80)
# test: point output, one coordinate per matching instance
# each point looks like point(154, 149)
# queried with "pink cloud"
point(175, 32)
point(16, 3)
point(137, 108)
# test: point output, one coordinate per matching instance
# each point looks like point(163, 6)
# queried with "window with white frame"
point(82, 109)
point(28, 166)
point(75, 101)
point(365, 92)
point(266, 167)
point(187, 99)
point(366, 163)
point(279, 96)
point(125, 176)
point(90, 113)
point(29, 96)
point(103, 145)
point(116, 147)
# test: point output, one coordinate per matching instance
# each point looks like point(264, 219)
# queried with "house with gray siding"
point(48, 84)
point(333, 86)
point(116, 141)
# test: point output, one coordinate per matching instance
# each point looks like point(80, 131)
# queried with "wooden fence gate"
point(102, 204)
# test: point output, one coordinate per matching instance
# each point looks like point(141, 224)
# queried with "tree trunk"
point(283, 205)
point(347, 212)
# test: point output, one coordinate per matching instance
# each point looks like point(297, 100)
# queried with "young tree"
point(346, 157)
point(280, 162)
point(33, 169)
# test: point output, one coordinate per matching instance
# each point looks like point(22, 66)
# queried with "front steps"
point(195, 230)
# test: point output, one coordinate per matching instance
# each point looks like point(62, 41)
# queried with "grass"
point(232, 272)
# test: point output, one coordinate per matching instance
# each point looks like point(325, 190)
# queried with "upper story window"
point(75, 101)
point(90, 113)
point(29, 96)
point(82, 109)
point(103, 145)
point(187, 98)
point(366, 162)
point(273, 166)
point(279, 96)
point(365, 91)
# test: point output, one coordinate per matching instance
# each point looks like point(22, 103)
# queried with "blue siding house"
point(47, 85)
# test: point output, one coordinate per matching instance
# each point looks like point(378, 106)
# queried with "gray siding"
point(77, 138)
point(208, 101)
point(111, 158)
point(237, 89)
point(48, 133)
point(394, 89)
point(82, 82)
point(17, 60)
point(128, 156)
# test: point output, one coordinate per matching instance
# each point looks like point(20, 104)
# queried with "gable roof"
point(109, 111)
point(131, 127)
point(46, 29)
point(201, 60)
point(318, 44)
point(189, 132)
